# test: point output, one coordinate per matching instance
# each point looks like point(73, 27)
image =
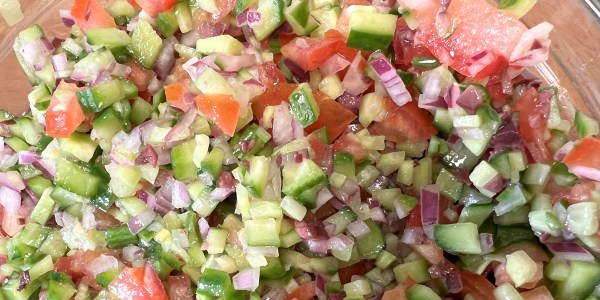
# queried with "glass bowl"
point(574, 64)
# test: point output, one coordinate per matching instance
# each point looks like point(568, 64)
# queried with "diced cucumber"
point(416, 269)
point(457, 238)
point(166, 22)
point(216, 284)
point(343, 163)
point(517, 8)
point(481, 176)
point(211, 82)
point(145, 44)
point(260, 233)
point(449, 185)
point(140, 111)
point(219, 44)
point(106, 125)
point(271, 12)
point(421, 292)
point(371, 244)
point(183, 15)
point(341, 219)
point(300, 177)
point(511, 198)
point(371, 31)
point(299, 17)
point(582, 279)
point(108, 37)
point(273, 270)
point(476, 213)
point(96, 98)
point(44, 208)
point(585, 125)
point(80, 145)
point(303, 105)
point(75, 179)
point(184, 168)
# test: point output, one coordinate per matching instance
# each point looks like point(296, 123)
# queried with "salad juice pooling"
point(270, 149)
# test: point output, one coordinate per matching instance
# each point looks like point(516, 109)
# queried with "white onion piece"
point(101, 264)
point(358, 228)
point(533, 47)
point(247, 279)
point(354, 81)
point(333, 65)
point(570, 251)
point(10, 199)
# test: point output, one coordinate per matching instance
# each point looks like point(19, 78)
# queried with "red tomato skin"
point(478, 26)
point(404, 123)
point(269, 74)
point(139, 75)
point(351, 144)
point(75, 264)
point(533, 121)
point(64, 114)
point(223, 110)
point(317, 52)
point(305, 291)
point(154, 7)
point(584, 154)
point(478, 286)
point(138, 284)
point(91, 14)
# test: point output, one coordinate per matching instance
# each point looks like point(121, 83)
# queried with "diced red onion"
point(88, 219)
point(28, 157)
point(386, 72)
point(210, 29)
point(413, 236)
point(46, 166)
point(101, 264)
point(147, 156)
point(454, 281)
point(132, 253)
point(154, 85)
point(533, 47)
point(66, 18)
point(317, 246)
point(300, 75)
point(495, 185)
point(349, 101)
point(570, 251)
point(451, 96)
point(443, 24)
point(166, 59)
point(181, 129)
point(12, 180)
point(102, 77)
point(118, 69)
point(282, 125)
point(564, 150)
point(358, 229)
point(470, 99)
point(35, 53)
point(486, 240)
point(333, 65)
point(586, 172)
point(246, 280)
point(10, 199)
point(194, 67)
point(430, 204)
point(479, 61)
point(203, 227)
point(180, 198)
point(248, 17)
point(433, 86)
point(354, 82)
point(339, 242)
point(349, 193)
point(229, 63)
point(220, 194)
point(313, 230)
point(141, 221)
point(24, 280)
point(377, 215)
point(60, 64)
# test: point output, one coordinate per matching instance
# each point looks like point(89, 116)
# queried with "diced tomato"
point(580, 192)
point(430, 252)
point(75, 265)
point(138, 284)
point(91, 14)
point(333, 116)
point(405, 48)
point(11, 223)
point(64, 114)
point(225, 7)
point(584, 159)
point(496, 90)
point(180, 287)
point(179, 95)
point(533, 121)
point(305, 291)
point(414, 217)
point(351, 143)
point(404, 123)
point(477, 286)
point(310, 53)
point(359, 268)
point(477, 26)
point(398, 293)
point(223, 110)
point(154, 7)
point(322, 152)
point(91, 282)
point(269, 74)
point(139, 75)
point(539, 293)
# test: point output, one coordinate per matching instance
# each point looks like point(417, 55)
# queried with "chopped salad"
point(296, 149)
